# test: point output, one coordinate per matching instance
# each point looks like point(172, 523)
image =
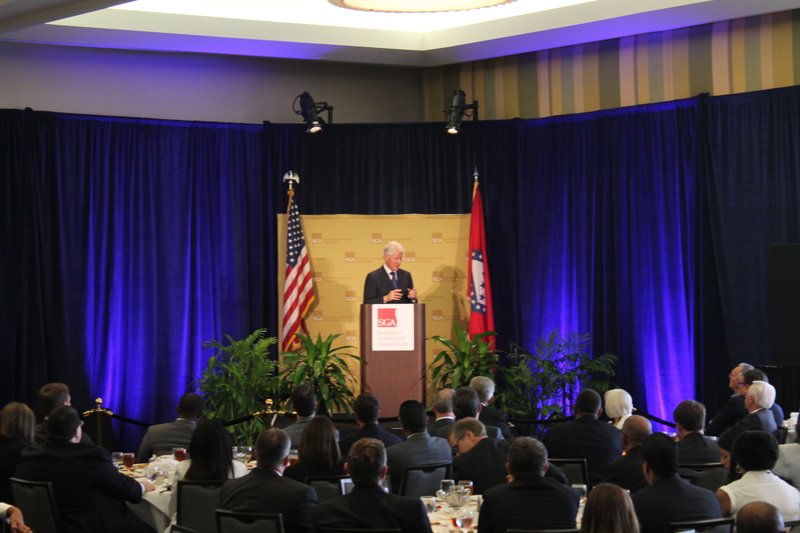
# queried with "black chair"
point(355, 530)
point(711, 525)
point(790, 525)
point(37, 503)
point(175, 528)
point(576, 470)
point(196, 503)
point(424, 480)
point(233, 522)
point(710, 476)
point(328, 487)
point(543, 531)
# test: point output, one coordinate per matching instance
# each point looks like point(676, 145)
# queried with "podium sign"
point(393, 354)
point(392, 328)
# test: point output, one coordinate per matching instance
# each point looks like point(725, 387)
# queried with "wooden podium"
point(393, 354)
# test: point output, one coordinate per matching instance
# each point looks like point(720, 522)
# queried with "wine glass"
point(116, 458)
point(463, 520)
point(467, 486)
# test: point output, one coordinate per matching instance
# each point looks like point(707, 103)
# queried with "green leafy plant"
point(463, 359)
point(544, 383)
point(237, 380)
point(324, 368)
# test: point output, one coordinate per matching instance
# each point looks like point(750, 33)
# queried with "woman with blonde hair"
point(609, 509)
point(618, 406)
point(17, 426)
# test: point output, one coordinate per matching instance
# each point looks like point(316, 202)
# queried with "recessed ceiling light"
point(417, 6)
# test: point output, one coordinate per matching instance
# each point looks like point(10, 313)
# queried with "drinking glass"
point(430, 503)
point(581, 490)
point(179, 454)
point(116, 458)
point(128, 459)
point(467, 486)
point(463, 520)
point(238, 453)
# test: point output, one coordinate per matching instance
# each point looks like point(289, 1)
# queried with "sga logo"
point(387, 318)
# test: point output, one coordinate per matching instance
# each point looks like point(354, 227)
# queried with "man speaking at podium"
point(390, 284)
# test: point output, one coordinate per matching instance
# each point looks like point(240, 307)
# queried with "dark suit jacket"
point(695, 449)
point(418, 449)
point(539, 503)
point(377, 285)
point(175, 434)
point(302, 471)
point(492, 416)
point(673, 499)
point(484, 465)
point(434, 428)
point(266, 491)
point(371, 507)
point(733, 411)
point(90, 492)
point(598, 442)
point(10, 450)
point(761, 420)
point(372, 431)
point(627, 471)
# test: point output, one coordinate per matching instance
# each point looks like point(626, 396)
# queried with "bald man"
point(627, 470)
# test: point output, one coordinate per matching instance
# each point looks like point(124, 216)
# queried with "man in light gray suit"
point(177, 434)
point(419, 448)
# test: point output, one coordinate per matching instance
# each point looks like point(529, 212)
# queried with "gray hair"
point(470, 424)
point(443, 403)
point(392, 247)
point(762, 393)
point(484, 387)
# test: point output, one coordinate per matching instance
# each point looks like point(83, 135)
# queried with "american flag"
point(481, 316)
point(298, 288)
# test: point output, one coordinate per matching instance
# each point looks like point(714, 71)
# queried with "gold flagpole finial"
point(292, 177)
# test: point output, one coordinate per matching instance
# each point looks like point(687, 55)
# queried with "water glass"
point(463, 520)
point(430, 503)
point(467, 486)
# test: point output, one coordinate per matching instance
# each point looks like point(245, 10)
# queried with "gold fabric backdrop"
point(344, 248)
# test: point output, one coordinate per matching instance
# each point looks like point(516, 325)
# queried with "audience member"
point(419, 448)
point(529, 500)
point(51, 397)
point(757, 400)
point(668, 498)
point(751, 376)
point(13, 516)
point(319, 453)
point(733, 410)
point(366, 411)
point(725, 444)
point(609, 510)
point(304, 402)
point(693, 446)
point(161, 438)
point(17, 423)
point(265, 490)
point(759, 517)
point(627, 470)
point(586, 437)
point(755, 453)
point(489, 414)
point(368, 505)
point(467, 405)
point(788, 464)
point(618, 406)
point(442, 410)
point(90, 492)
point(478, 458)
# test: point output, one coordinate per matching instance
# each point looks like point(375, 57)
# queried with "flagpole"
point(474, 182)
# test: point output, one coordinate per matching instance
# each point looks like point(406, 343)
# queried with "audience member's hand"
point(148, 485)
point(16, 522)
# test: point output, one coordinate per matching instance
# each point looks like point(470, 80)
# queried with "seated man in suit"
point(389, 283)
point(627, 470)
point(759, 517)
point(668, 498)
point(467, 405)
point(442, 410)
point(367, 505)
point(586, 437)
point(304, 402)
point(755, 374)
point(759, 398)
point(733, 410)
point(693, 446)
point(265, 490)
point(366, 411)
point(161, 438)
point(478, 458)
point(419, 447)
point(529, 500)
point(51, 397)
point(90, 492)
point(489, 414)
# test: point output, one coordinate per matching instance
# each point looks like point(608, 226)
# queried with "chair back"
point(543, 531)
point(711, 525)
point(196, 503)
point(38, 504)
point(424, 480)
point(175, 528)
point(234, 522)
point(576, 470)
point(355, 530)
point(791, 525)
point(710, 476)
point(328, 487)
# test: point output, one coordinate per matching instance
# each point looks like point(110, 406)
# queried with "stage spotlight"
point(310, 110)
point(457, 110)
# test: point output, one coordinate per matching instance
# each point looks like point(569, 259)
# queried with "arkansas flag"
point(481, 316)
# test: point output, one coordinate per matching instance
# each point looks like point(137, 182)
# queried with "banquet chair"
point(710, 476)
point(355, 530)
point(196, 503)
point(711, 525)
point(38, 504)
point(328, 487)
point(175, 528)
point(234, 522)
point(576, 470)
point(543, 531)
point(424, 480)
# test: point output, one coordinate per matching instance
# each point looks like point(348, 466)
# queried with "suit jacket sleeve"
point(372, 290)
point(109, 480)
point(306, 509)
point(727, 416)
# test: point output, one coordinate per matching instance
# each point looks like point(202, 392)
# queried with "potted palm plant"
point(463, 358)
